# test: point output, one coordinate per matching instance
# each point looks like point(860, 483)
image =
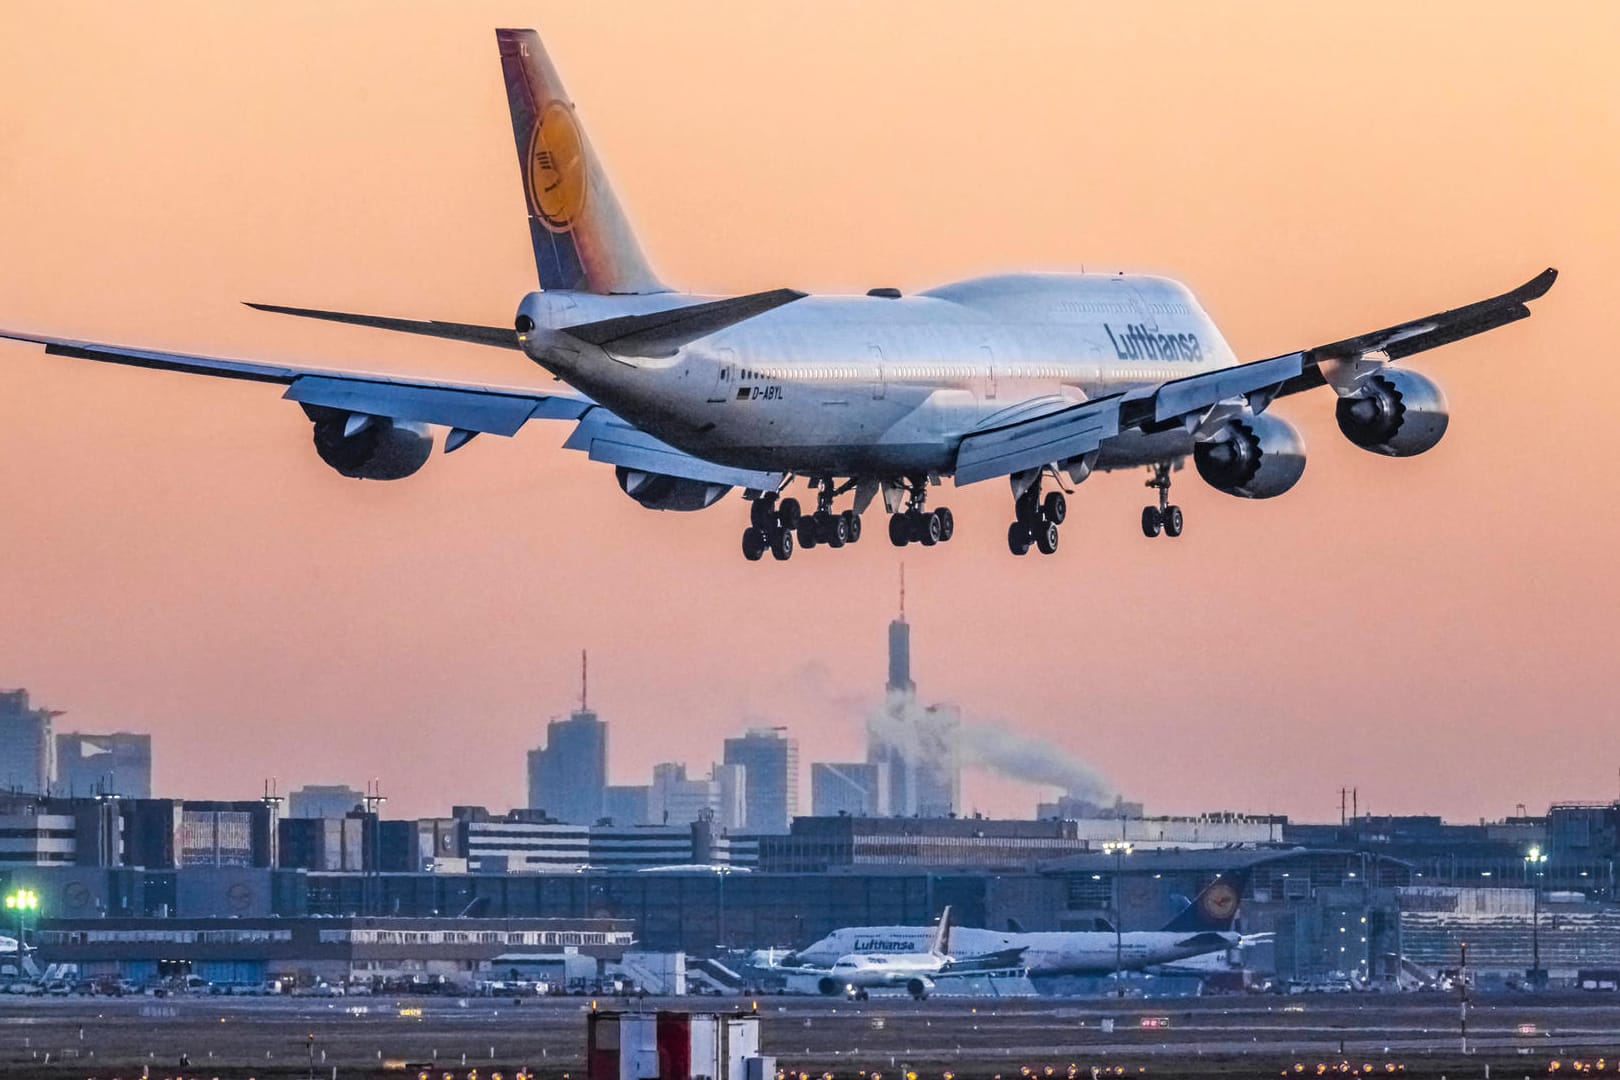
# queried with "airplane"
point(859, 972)
point(1204, 926)
point(1037, 379)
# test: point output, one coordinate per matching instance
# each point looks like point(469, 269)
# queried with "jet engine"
point(829, 986)
point(656, 491)
point(919, 986)
point(1396, 412)
point(1256, 457)
point(372, 448)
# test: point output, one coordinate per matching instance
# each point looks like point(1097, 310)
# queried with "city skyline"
point(191, 570)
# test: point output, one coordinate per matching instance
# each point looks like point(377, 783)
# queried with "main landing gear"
point(1165, 517)
point(1036, 521)
point(776, 525)
point(916, 524)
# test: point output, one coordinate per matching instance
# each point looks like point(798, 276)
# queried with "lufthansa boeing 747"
point(1038, 379)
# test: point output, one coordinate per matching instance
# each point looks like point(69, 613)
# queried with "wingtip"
point(1537, 286)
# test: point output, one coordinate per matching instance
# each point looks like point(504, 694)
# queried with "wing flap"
point(468, 409)
point(609, 439)
point(1031, 444)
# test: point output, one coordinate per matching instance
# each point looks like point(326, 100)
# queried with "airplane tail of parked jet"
point(1215, 907)
point(941, 945)
point(582, 240)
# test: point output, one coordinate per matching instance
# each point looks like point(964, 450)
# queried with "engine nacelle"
point(1260, 457)
point(829, 986)
point(383, 449)
point(657, 491)
point(919, 986)
point(1396, 412)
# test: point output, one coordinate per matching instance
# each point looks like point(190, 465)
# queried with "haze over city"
point(176, 560)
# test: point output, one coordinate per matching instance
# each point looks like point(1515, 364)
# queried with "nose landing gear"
point(1165, 517)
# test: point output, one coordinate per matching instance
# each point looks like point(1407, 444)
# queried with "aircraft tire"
point(753, 545)
point(807, 533)
point(1028, 507)
point(947, 524)
point(837, 531)
point(1056, 507)
point(928, 529)
point(762, 514)
point(782, 545)
point(899, 530)
point(1173, 521)
point(1046, 537)
point(852, 525)
point(1152, 521)
point(1018, 538)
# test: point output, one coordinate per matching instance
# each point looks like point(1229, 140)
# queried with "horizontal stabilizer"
point(661, 333)
point(503, 337)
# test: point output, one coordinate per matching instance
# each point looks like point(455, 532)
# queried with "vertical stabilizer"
point(941, 945)
point(582, 241)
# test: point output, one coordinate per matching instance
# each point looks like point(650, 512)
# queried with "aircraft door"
point(725, 376)
point(987, 356)
point(879, 389)
point(1144, 310)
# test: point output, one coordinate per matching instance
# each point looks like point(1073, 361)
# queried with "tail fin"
point(1215, 907)
point(582, 241)
point(941, 945)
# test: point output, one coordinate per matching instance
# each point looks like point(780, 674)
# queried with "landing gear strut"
point(916, 523)
point(1036, 521)
point(827, 526)
point(1165, 517)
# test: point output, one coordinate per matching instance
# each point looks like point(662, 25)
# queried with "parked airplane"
point(1205, 926)
point(1041, 379)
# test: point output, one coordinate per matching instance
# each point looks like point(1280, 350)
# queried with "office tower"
point(920, 748)
point(27, 752)
point(626, 805)
point(324, 801)
point(117, 764)
point(772, 761)
point(859, 789)
point(568, 777)
point(675, 799)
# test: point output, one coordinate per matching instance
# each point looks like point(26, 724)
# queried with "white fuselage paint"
point(871, 386)
point(1057, 952)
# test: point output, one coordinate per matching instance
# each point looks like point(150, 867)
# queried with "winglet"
point(1536, 287)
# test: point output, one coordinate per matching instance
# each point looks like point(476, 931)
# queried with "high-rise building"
point(920, 748)
point(675, 799)
point(858, 789)
point(625, 805)
point(27, 753)
point(568, 777)
point(116, 764)
point(772, 762)
point(324, 801)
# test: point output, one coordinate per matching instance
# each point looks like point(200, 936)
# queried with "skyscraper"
point(27, 753)
point(854, 788)
point(772, 762)
point(920, 748)
point(116, 764)
point(568, 776)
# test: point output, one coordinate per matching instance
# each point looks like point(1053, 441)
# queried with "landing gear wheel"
point(852, 525)
point(762, 515)
point(899, 530)
point(753, 544)
point(1152, 521)
point(1056, 507)
point(947, 524)
point(1018, 538)
point(807, 532)
point(789, 514)
point(1172, 521)
point(928, 528)
point(1028, 507)
point(782, 545)
point(837, 531)
point(1046, 537)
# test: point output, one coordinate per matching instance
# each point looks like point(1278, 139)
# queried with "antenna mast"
point(584, 681)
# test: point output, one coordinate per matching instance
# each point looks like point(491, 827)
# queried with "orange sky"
point(174, 558)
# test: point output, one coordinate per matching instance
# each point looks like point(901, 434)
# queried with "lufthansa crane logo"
point(1220, 901)
point(557, 175)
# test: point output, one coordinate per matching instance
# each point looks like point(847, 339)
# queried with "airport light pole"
point(1118, 849)
point(1533, 862)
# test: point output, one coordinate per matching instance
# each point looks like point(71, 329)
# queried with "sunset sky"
point(1439, 632)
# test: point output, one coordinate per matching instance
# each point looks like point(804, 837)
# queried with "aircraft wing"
point(1073, 432)
point(467, 409)
point(996, 961)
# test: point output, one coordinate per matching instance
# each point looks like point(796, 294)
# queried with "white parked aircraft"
point(1204, 927)
point(1041, 379)
point(859, 972)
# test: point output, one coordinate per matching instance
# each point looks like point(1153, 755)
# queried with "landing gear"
point(919, 525)
point(778, 525)
point(1037, 521)
point(1165, 517)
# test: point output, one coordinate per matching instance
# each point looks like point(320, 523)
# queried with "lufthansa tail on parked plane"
point(1215, 908)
